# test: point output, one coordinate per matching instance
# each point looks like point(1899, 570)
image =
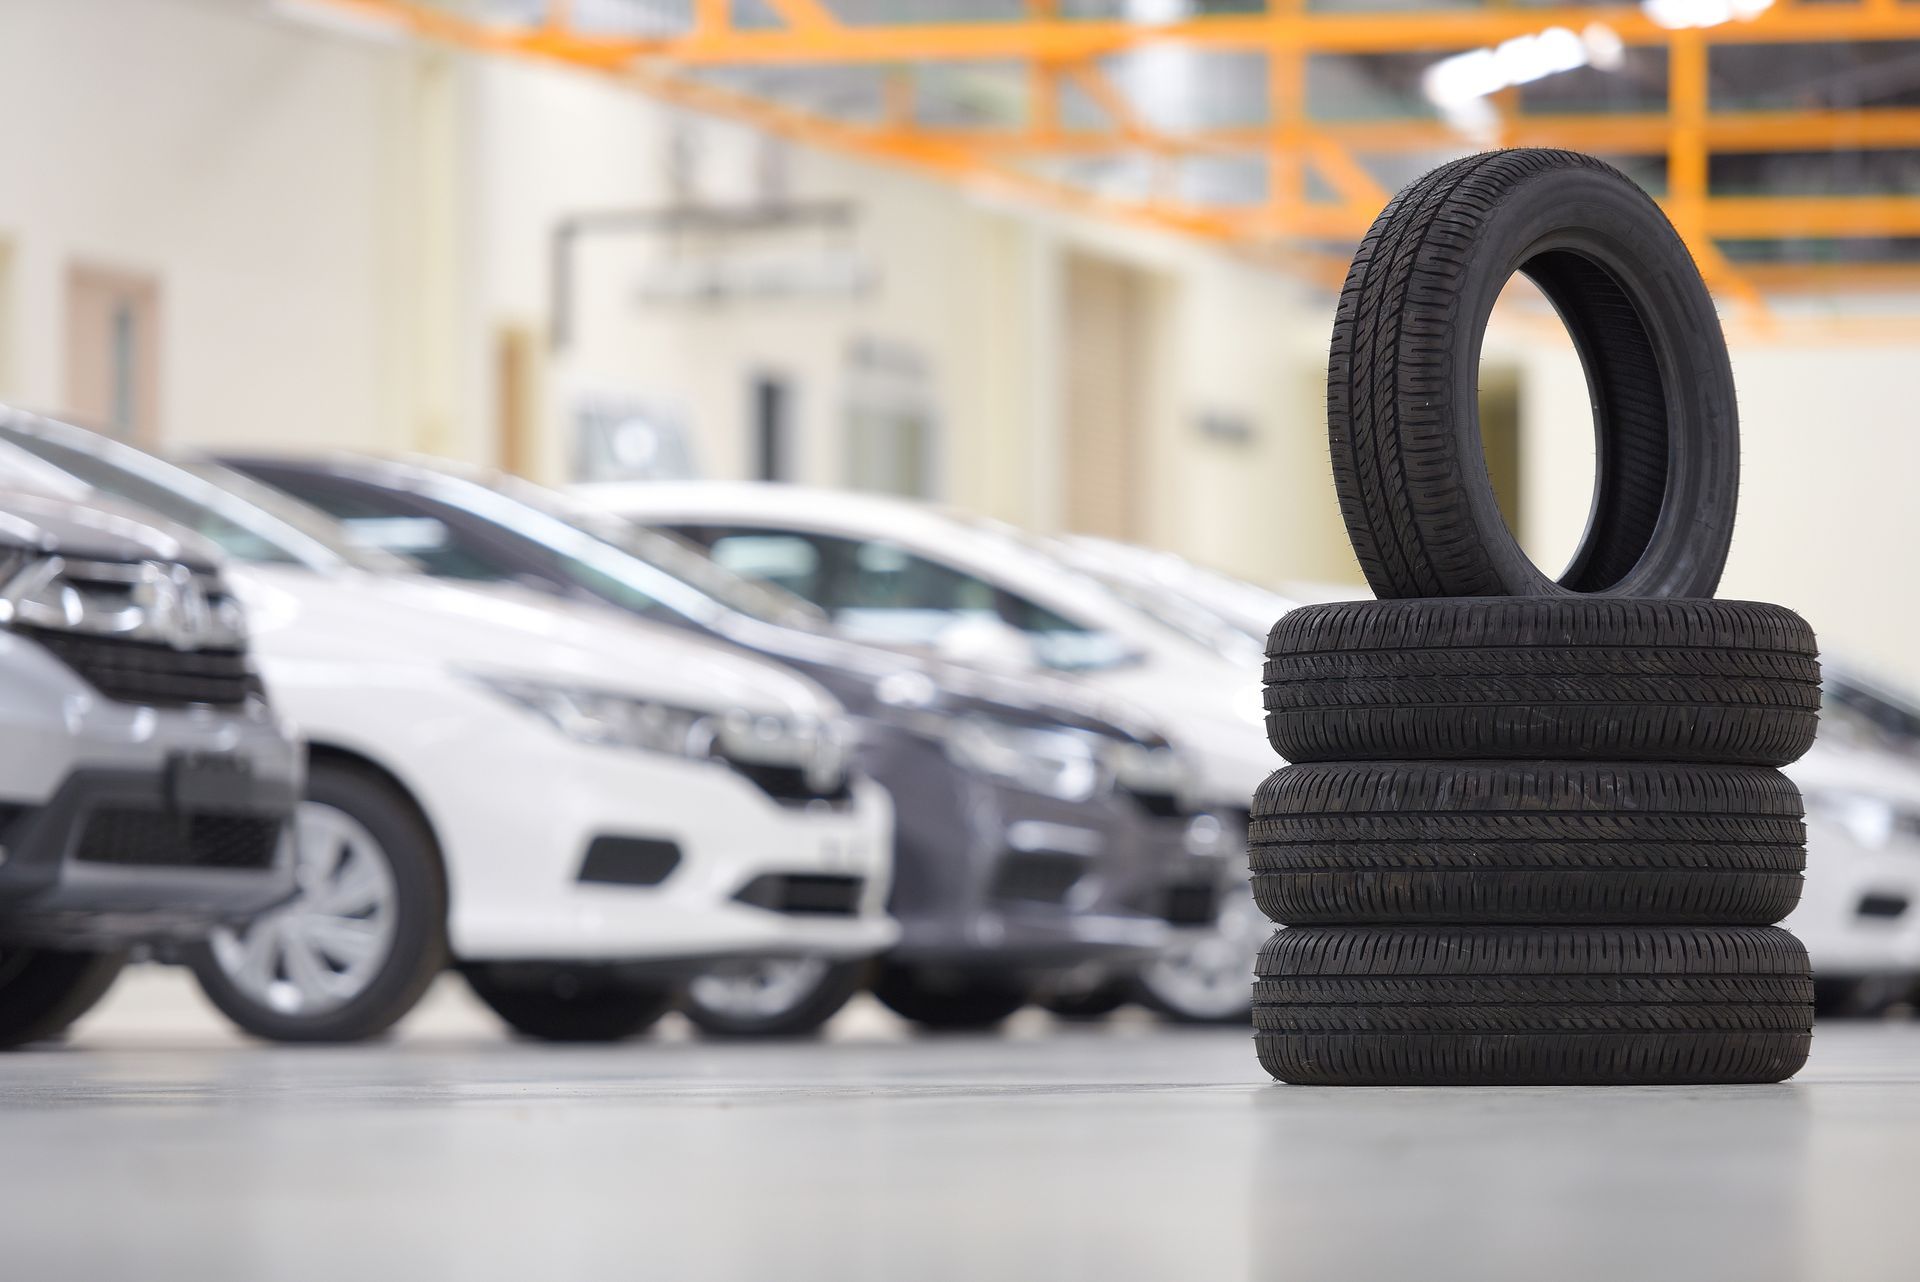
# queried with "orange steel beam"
point(1636, 133)
point(1057, 49)
point(813, 35)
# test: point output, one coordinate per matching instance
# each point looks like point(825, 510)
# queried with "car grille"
point(142, 672)
point(1037, 876)
point(164, 839)
point(788, 784)
point(804, 894)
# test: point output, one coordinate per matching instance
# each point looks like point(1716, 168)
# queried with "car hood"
point(96, 526)
point(353, 617)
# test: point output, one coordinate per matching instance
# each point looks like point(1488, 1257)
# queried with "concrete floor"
point(156, 1145)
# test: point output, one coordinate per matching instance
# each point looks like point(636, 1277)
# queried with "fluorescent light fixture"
point(1679, 15)
point(1460, 85)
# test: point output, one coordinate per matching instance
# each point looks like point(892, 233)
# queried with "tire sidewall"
point(1602, 216)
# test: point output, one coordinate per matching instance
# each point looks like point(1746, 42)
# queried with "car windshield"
point(243, 532)
point(664, 553)
point(309, 521)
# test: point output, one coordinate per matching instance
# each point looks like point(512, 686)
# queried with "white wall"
point(247, 163)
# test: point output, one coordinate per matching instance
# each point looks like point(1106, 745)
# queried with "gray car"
point(145, 783)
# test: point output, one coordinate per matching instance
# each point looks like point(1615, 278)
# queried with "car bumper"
point(737, 873)
point(121, 823)
point(994, 877)
point(1859, 911)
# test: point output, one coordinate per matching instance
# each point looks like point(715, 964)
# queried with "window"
point(392, 523)
point(874, 590)
point(784, 560)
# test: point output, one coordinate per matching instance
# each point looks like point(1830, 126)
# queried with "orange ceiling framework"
point(1295, 223)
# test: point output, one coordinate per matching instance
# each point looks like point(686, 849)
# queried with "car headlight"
point(819, 749)
point(1055, 762)
point(1873, 821)
point(156, 602)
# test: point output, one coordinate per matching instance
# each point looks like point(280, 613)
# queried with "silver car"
point(145, 783)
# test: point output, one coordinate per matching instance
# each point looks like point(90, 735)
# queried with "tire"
point(1530, 1005)
point(1727, 682)
point(43, 991)
point(1402, 379)
point(780, 997)
point(1527, 842)
point(949, 1001)
point(1097, 1002)
point(569, 1003)
point(360, 833)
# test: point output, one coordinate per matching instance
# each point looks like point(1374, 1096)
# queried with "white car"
point(575, 807)
point(887, 569)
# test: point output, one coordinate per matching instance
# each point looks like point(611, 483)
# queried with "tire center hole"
point(1530, 371)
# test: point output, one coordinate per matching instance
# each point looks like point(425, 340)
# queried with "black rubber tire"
point(43, 990)
point(950, 1001)
point(1571, 678)
point(1531, 1005)
point(1402, 383)
point(1526, 842)
point(419, 950)
point(561, 1003)
point(837, 986)
point(1097, 1002)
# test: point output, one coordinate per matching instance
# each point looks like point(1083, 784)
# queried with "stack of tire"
point(1534, 831)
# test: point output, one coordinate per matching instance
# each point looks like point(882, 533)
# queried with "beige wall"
point(246, 164)
point(1827, 519)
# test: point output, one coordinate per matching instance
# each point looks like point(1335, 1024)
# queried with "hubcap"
point(1210, 976)
point(322, 948)
point(766, 988)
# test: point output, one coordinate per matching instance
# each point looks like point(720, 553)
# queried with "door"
point(113, 351)
point(1106, 389)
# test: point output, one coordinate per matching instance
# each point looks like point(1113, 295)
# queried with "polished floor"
point(156, 1145)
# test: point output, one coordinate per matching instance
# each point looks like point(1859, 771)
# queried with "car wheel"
point(1206, 977)
point(772, 996)
point(1096, 1002)
point(561, 1003)
point(1563, 678)
point(949, 1000)
point(1526, 842)
point(1403, 410)
point(364, 934)
point(1532, 1005)
point(43, 991)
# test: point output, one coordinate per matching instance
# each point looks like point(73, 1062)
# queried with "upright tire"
point(1529, 1005)
point(1402, 383)
point(43, 990)
point(1568, 678)
point(1536, 842)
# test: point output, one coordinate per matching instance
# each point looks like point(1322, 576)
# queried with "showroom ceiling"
point(1281, 128)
